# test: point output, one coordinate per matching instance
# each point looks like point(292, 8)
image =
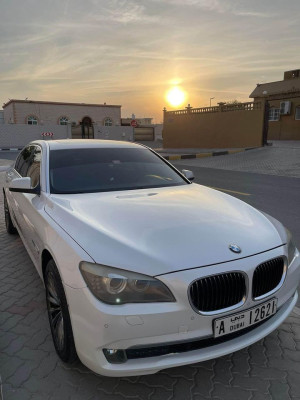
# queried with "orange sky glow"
point(132, 52)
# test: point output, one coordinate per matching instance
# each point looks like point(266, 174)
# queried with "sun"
point(175, 96)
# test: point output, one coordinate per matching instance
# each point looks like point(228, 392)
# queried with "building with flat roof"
point(34, 112)
point(284, 101)
point(81, 116)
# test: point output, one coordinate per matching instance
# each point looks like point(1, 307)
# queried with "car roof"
point(64, 144)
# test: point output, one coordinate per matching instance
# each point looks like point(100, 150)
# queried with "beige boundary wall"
point(125, 133)
point(18, 135)
point(226, 126)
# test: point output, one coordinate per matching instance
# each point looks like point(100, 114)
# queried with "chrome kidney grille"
point(218, 292)
point(268, 277)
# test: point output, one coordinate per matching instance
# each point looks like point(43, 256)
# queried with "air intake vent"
point(218, 292)
point(267, 277)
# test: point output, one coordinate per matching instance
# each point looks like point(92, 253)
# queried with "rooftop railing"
point(249, 106)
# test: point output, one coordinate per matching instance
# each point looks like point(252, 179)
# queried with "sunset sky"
point(132, 52)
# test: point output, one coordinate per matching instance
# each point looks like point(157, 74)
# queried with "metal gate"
point(87, 129)
point(144, 134)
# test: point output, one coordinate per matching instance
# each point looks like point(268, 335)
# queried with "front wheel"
point(58, 313)
point(10, 228)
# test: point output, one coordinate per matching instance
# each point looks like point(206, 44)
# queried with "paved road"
point(30, 369)
point(273, 160)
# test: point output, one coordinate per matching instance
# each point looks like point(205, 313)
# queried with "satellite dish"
point(265, 92)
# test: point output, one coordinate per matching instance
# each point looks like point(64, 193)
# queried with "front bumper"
point(97, 326)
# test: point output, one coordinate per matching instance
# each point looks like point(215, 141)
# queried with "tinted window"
point(105, 169)
point(34, 165)
point(22, 163)
point(17, 162)
point(28, 164)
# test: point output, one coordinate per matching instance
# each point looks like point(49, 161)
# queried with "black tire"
point(10, 228)
point(58, 313)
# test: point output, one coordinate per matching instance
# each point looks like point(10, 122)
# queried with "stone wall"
point(114, 132)
point(226, 126)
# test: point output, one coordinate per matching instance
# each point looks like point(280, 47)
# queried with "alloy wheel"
point(6, 213)
point(55, 312)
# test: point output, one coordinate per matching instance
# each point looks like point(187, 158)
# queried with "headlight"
point(291, 247)
point(116, 286)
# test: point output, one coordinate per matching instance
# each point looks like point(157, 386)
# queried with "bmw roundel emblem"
point(235, 248)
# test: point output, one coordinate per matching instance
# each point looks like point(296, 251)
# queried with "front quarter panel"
point(66, 253)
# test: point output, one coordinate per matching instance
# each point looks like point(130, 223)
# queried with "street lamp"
point(210, 101)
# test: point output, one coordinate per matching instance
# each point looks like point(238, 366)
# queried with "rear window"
point(108, 169)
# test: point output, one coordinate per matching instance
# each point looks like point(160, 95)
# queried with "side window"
point(34, 165)
point(18, 162)
point(22, 163)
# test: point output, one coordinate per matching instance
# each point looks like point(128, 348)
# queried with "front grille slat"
point(226, 281)
point(238, 284)
point(216, 280)
point(209, 285)
point(261, 281)
point(267, 268)
point(233, 295)
point(199, 287)
point(205, 284)
point(267, 277)
point(217, 292)
point(202, 287)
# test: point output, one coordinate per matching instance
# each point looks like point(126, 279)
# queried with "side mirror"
point(188, 174)
point(23, 185)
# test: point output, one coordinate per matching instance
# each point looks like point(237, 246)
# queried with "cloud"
point(222, 7)
point(128, 51)
point(124, 12)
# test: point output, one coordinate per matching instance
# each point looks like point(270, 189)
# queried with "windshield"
point(91, 170)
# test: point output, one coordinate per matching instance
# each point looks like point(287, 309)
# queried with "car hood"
point(157, 231)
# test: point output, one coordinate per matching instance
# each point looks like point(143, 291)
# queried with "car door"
point(32, 216)
point(28, 204)
point(20, 170)
point(31, 204)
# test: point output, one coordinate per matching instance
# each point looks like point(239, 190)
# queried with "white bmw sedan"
point(143, 269)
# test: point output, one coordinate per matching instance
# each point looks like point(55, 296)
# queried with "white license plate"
point(242, 320)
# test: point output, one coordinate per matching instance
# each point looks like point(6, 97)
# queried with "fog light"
point(115, 356)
